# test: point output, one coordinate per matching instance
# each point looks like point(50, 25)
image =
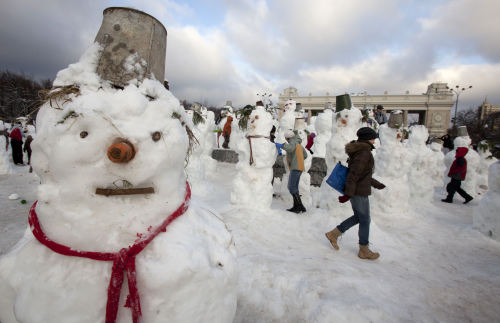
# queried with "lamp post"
point(457, 90)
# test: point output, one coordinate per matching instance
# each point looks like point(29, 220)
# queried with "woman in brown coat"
point(358, 186)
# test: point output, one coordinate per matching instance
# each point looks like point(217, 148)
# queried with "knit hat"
point(289, 134)
point(366, 133)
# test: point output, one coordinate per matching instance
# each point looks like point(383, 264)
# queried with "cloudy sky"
point(220, 50)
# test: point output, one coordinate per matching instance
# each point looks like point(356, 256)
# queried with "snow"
point(433, 267)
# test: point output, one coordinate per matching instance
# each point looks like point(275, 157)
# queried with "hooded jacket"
point(458, 169)
point(295, 153)
point(361, 163)
point(227, 127)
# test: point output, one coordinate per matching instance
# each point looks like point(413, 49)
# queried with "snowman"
point(346, 122)
point(437, 159)
point(114, 235)
point(323, 132)
point(200, 161)
point(252, 184)
point(485, 160)
point(422, 165)
point(485, 215)
point(392, 166)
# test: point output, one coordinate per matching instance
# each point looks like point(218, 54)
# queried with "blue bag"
point(337, 178)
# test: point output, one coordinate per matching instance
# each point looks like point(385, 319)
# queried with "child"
point(457, 173)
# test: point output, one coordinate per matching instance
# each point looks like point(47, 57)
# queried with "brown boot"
point(333, 236)
point(365, 253)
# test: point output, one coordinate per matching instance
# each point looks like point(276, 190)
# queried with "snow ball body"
point(186, 274)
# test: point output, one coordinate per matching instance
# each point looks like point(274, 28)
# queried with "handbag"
point(337, 178)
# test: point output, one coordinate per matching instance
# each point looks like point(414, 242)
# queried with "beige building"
point(486, 109)
point(432, 108)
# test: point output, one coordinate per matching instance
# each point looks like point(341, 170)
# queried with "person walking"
point(457, 172)
point(380, 115)
point(16, 142)
point(357, 189)
point(295, 155)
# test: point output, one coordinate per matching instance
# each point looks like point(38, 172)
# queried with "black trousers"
point(17, 151)
point(454, 186)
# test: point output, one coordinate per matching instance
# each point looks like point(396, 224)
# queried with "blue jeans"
point(293, 181)
point(361, 207)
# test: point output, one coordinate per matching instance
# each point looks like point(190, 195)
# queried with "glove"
point(344, 198)
point(381, 186)
point(278, 147)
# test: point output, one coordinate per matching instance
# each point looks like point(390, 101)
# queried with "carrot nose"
point(122, 151)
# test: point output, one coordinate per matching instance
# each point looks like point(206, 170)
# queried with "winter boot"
point(300, 206)
point(294, 208)
point(468, 199)
point(333, 236)
point(447, 200)
point(365, 253)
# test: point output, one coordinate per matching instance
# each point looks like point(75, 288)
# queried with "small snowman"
point(252, 185)
point(422, 166)
point(486, 159)
point(200, 161)
point(5, 164)
point(485, 215)
point(437, 159)
point(114, 236)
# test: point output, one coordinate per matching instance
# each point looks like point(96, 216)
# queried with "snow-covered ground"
point(434, 267)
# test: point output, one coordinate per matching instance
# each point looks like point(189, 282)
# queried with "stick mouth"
point(124, 191)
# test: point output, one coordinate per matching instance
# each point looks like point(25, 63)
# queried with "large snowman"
point(392, 165)
point(345, 123)
point(113, 236)
point(252, 185)
point(420, 180)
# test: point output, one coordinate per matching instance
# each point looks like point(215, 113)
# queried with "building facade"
point(433, 108)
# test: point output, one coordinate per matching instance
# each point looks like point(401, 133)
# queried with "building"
point(431, 109)
point(486, 109)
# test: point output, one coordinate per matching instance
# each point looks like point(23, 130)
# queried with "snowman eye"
point(84, 134)
point(156, 136)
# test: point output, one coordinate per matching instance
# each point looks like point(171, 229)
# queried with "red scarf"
point(122, 260)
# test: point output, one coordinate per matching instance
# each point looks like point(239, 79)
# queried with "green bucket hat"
point(342, 102)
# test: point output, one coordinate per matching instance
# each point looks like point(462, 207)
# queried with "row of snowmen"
point(411, 169)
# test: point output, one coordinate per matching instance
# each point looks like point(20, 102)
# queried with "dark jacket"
point(361, 163)
point(458, 169)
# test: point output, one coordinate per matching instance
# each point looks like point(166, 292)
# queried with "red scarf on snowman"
point(123, 260)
